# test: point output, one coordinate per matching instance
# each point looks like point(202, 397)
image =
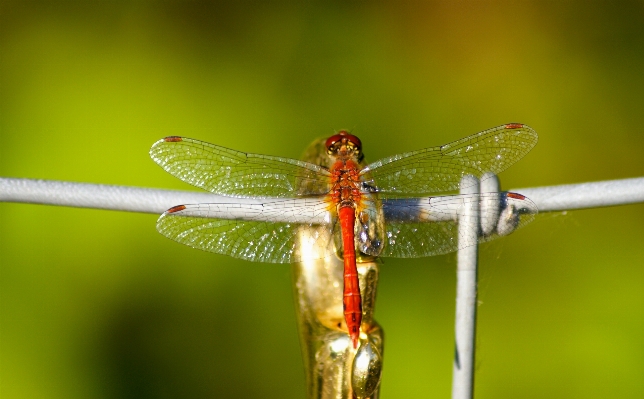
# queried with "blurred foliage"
point(97, 304)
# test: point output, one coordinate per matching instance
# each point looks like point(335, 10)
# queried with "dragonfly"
point(339, 205)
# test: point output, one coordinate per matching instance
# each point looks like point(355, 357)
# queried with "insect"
point(356, 211)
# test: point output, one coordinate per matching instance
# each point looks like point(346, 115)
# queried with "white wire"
point(147, 200)
point(466, 287)
point(586, 195)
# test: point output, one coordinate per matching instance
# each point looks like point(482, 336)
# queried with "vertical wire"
point(466, 287)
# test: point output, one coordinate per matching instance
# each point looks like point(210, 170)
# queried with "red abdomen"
point(351, 301)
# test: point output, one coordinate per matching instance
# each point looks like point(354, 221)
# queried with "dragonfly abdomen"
point(351, 301)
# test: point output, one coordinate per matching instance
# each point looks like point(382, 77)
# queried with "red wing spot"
point(514, 126)
point(516, 196)
point(176, 209)
point(172, 139)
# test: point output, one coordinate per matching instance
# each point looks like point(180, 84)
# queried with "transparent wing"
point(429, 226)
point(228, 172)
point(280, 231)
point(440, 169)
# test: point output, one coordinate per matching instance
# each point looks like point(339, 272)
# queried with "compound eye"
point(354, 140)
point(333, 139)
point(343, 135)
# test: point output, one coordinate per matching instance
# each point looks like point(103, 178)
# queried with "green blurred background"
point(98, 304)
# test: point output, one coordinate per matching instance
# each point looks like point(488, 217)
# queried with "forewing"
point(228, 172)
point(429, 226)
point(279, 231)
point(440, 169)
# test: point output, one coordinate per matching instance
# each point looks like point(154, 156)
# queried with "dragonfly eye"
point(343, 137)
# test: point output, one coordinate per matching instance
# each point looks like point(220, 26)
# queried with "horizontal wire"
point(149, 200)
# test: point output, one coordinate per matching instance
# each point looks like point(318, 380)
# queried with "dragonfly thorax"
point(345, 184)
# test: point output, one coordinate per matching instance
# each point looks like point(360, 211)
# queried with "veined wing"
point(228, 172)
point(440, 169)
point(279, 231)
point(418, 227)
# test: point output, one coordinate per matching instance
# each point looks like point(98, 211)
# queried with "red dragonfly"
point(381, 209)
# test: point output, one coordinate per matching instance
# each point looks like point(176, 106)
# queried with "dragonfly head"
point(345, 145)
